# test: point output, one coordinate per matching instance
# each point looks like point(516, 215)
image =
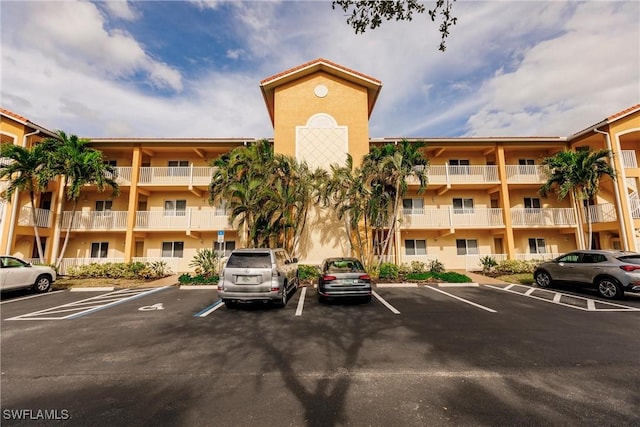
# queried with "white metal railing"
point(447, 174)
point(186, 175)
point(96, 220)
point(635, 206)
point(536, 174)
point(451, 217)
point(123, 175)
point(629, 159)
point(43, 217)
point(189, 219)
point(537, 257)
point(67, 263)
point(542, 217)
point(605, 212)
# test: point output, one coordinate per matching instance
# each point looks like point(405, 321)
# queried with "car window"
point(569, 258)
point(592, 258)
point(631, 259)
point(344, 266)
point(250, 260)
point(12, 263)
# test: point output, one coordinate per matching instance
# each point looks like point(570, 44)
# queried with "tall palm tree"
point(79, 165)
point(577, 173)
point(26, 170)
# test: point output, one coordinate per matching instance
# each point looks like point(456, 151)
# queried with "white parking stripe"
point(386, 304)
point(30, 296)
point(301, 301)
point(463, 300)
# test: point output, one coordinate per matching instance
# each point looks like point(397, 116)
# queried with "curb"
point(93, 289)
point(188, 287)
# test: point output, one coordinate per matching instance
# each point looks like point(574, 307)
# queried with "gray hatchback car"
point(610, 272)
point(264, 275)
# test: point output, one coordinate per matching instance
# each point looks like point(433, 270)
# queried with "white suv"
point(261, 274)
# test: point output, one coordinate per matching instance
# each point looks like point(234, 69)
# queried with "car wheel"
point(43, 284)
point(609, 288)
point(543, 279)
point(230, 304)
point(366, 299)
point(283, 300)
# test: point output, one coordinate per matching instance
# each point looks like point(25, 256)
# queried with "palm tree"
point(577, 173)
point(80, 165)
point(26, 170)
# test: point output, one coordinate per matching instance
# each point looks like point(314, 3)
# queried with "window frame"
point(415, 247)
point(173, 249)
point(99, 250)
point(467, 249)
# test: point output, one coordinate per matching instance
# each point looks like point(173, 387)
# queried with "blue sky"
point(192, 68)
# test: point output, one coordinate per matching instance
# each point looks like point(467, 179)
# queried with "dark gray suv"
point(610, 272)
point(266, 275)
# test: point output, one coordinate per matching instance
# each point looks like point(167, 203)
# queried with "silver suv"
point(610, 272)
point(265, 275)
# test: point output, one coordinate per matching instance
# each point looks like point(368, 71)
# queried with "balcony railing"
point(189, 176)
point(43, 217)
point(447, 174)
point(629, 159)
point(526, 174)
point(96, 220)
point(449, 217)
point(543, 217)
point(605, 212)
point(189, 219)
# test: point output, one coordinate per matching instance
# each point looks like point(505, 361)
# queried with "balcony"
point(545, 217)
point(447, 175)
point(526, 174)
point(122, 175)
point(448, 217)
point(629, 160)
point(188, 220)
point(43, 217)
point(96, 220)
point(605, 212)
point(178, 176)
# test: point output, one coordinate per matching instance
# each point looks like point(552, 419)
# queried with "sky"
point(192, 68)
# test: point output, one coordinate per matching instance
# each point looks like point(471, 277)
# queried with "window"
point(459, 167)
point(175, 207)
point(178, 167)
point(467, 246)
point(413, 206)
point(462, 206)
point(592, 258)
point(99, 249)
point(571, 258)
point(415, 247)
point(537, 246)
point(103, 207)
point(225, 248)
point(532, 203)
point(172, 249)
point(113, 163)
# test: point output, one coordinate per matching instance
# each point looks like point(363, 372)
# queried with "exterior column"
point(625, 219)
point(505, 202)
point(130, 240)
point(57, 202)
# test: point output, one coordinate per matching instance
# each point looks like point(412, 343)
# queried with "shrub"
point(453, 277)
point(436, 266)
point(199, 279)
point(488, 262)
point(111, 270)
point(417, 266)
point(388, 270)
point(308, 272)
point(205, 262)
point(514, 266)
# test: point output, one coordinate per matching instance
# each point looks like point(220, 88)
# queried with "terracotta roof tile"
point(14, 115)
point(623, 112)
point(317, 61)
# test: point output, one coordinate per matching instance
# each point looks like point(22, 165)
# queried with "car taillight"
point(630, 267)
point(364, 277)
point(328, 278)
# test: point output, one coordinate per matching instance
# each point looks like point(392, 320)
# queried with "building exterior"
point(482, 197)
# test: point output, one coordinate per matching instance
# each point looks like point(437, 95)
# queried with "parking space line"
point(482, 307)
point(303, 293)
point(385, 303)
point(97, 303)
point(208, 310)
point(589, 303)
point(30, 296)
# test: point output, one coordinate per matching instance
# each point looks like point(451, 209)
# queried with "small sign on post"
point(221, 236)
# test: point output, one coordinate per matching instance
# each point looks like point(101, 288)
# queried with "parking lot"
point(416, 355)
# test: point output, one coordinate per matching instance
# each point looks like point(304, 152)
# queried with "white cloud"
point(74, 35)
point(120, 9)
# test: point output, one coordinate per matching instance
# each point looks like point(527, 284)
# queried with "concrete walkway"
point(483, 280)
point(165, 281)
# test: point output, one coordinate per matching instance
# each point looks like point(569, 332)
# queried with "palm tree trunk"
point(392, 225)
point(34, 219)
point(68, 232)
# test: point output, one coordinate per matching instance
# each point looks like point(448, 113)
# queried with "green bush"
point(205, 262)
point(388, 270)
point(198, 279)
point(308, 272)
point(488, 262)
point(121, 270)
point(514, 266)
point(453, 277)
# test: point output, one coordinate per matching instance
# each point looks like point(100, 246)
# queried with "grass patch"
point(521, 278)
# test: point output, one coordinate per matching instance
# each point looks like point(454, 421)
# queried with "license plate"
point(248, 280)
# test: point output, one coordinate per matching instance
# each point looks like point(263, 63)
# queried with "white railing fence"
point(96, 220)
point(43, 217)
point(629, 159)
point(542, 216)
